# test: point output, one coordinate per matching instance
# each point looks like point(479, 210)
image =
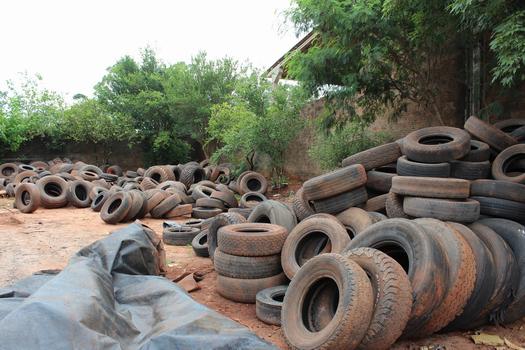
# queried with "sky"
point(71, 43)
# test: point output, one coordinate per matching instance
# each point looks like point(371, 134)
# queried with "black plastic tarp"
point(110, 296)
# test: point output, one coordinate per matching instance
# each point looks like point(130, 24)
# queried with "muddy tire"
point(489, 134)
point(443, 209)
point(191, 174)
point(479, 152)
point(469, 170)
point(160, 174)
point(180, 210)
point(253, 182)
point(210, 203)
point(200, 244)
point(27, 197)
point(342, 201)
point(251, 239)
point(501, 208)
point(99, 200)
point(148, 183)
point(227, 197)
point(430, 187)
point(379, 181)
point(392, 296)
point(179, 236)
point(407, 167)
point(53, 191)
point(335, 182)
point(436, 144)
point(320, 233)
point(274, 212)
point(116, 208)
point(498, 189)
point(505, 160)
point(246, 266)
point(312, 318)
point(269, 303)
point(245, 212)
point(376, 204)
point(301, 207)
point(219, 221)
point(355, 221)
point(165, 206)
point(375, 157)
point(78, 194)
point(205, 213)
point(245, 290)
point(394, 206)
point(252, 199)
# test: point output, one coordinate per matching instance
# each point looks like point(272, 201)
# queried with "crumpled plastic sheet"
point(110, 296)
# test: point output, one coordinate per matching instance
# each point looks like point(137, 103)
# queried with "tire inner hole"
point(53, 190)
point(396, 252)
point(279, 297)
point(26, 198)
point(515, 164)
point(435, 139)
point(264, 219)
point(81, 193)
point(311, 245)
point(320, 304)
point(254, 185)
point(115, 205)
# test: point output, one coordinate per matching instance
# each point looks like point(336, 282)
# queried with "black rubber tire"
point(342, 201)
point(479, 152)
point(505, 160)
point(181, 211)
point(335, 182)
point(513, 234)
point(498, 189)
point(394, 206)
point(489, 134)
point(160, 173)
point(148, 183)
point(165, 206)
point(205, 213)
point(219, 221)
point(245, 212)
point(192, 174)
point(99, 200)
point(408, 244)
point(210, 203)
point(433, 187)
point(443, 209)
point(355, 220)
point(78, 194)
point(247, 267)
point(274, 212)
point(200, 244)
point(27, 197)
point(379, 181)
point(509, 125)
point(502, 208)
point(320, 233)
point(252, 199)
point(392, 296)
point(436, 144)
point(407, 167)
point(227, 197)
point(179, 236)
point(251, 239)
point(253, 182)
point(53, 191)
point(469, 170)
point(269, 303)
point(376, 204)
point(301, 206)
point(116, 208)
point(375, 157)
point(519, 134)
point(135, 207)
point(199, 191)
point(328, 306)
point(507, 276)
point(245, 290)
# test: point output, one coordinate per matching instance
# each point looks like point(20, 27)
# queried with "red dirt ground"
point(47, 238)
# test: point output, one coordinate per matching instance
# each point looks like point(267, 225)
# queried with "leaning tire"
point(27, 197)
point(116, 208)
point(489, 134)
point(301, 206)
point(53, 191)
point(78, 194)
point(274, 212)
point(200, 244)
point(269, 303)
point(504, 160)
point(375, 157)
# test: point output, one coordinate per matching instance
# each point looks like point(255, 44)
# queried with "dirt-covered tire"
point(179, 236)
point(99, 200)
point(200, 244)
point(375, 157)
point(24, 176)
point(501, 208)
point(9, 170)
point(479, 152)
point(335, 182)
point(251, 239)
point(27, 197)
point(245, 290)
point(418, 254)
point(432, 187)
point(376, 204)
point(172, 184)
point(320, 233)
point(394, 206)
point(355, 220)
point(498, 189)
point(116, 208)
point(379, 181)
point(53, 191)
point(469, 170)
point(246, 266)
point(252, 199)
point(78, 194)
point(489, 134)
point(274, 212)
point(436, 144)
point(205, 213)
point(160, 173)
point(392, 296)
point(505, 160)
point(165, 206)
point(443, 209)
point(226, 197)
point(219, 221)
point(485, 279)
point(269, 303)
point(407, 167)
point(210, 203)
point(148, 183)
point(342, 201)
point(301, 207)
point(512, 234)
point(242, 211)
point(191, 174)
point(312, 318)
point(509, 125)
point(199, 191)
point(253, 182)
point(461, 275)
point(135, 206)
point(154, 198)
point(506, 275)
point(180, 210)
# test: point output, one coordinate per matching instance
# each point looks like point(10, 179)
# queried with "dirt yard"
point(47, 238)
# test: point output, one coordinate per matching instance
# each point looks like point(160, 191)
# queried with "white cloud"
point(71, 42)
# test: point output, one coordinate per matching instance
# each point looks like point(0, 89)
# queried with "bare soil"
point(47, 238)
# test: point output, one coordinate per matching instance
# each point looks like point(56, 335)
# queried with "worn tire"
point(320, 233)
point(501, 208)
point(375, 157)
point(160, 173)
point(210, 203)
point(392, 296)
point(247, 267)
point(116, 208)
point(180, 236)
point(251, 239)
point(200, 244)
point(27, 197)
point(253, 182)
point(498, 189)
point(205, 213)
point(165, 206)
point(335, 182)
point(180, 211)
point(407, 167)
point(219, 221)
point(269, 303)
point(78, 194)
point(479, 152)
point(504, 160)
point(469, 170)
point(377, 203)
point(342, 201)
point(192, 174)
point(379, 181)
point(432, 187)
point(274, 212)
point(227, 197)
point(245, 290)
point(53, 191)
point(245, 212)
point(489, 134)
point(442, 209)
point(312, 318)
point(252, 199)
point(355, 220)
point(99, 200)
point(436, 144)
point(394, 206)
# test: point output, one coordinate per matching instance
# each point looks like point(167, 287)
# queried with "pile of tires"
point(247, 260)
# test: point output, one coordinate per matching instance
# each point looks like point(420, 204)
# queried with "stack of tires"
point(247, 260)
